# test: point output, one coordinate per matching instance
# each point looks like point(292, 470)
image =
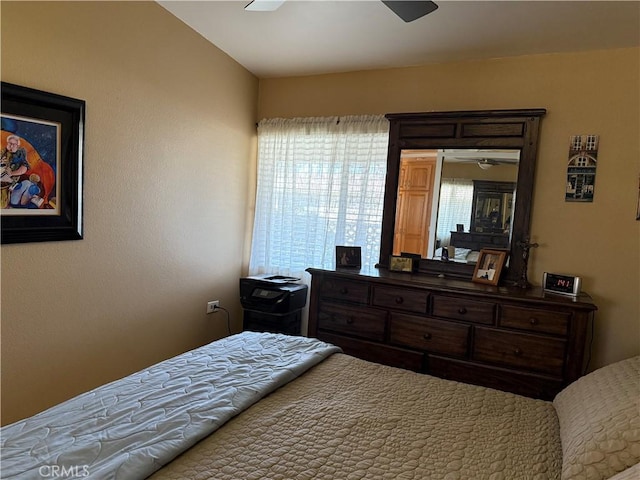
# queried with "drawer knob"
point(533, 321)
point(462, 310)
point(344, 290)
point(427, 336)
point(399, 300)
point(517, 352)
point(350, 320)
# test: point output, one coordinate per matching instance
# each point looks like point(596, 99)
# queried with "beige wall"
point(169, 142)
point(586, 93)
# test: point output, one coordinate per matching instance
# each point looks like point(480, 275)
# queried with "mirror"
point(454, 202)
point(488, 154)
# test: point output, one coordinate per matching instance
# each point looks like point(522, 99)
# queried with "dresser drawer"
point(529, 352)
point(401, 299)
point(529, 384)
point(346, 290)
point(431, 335)
point(534, 320)
point(375, 352)
point(460, 308)
point(359, 322)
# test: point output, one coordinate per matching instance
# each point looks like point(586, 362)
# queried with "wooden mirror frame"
point(491, 129)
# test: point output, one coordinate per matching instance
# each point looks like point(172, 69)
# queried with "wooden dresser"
point(501, 337)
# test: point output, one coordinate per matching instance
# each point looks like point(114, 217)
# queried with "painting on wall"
point(581, 168)
point(40, 165)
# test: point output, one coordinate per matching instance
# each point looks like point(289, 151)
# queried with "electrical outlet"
point(213, 306)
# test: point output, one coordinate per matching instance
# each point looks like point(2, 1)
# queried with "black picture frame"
point(348, 257)
point(59, 213)
point(402, 263)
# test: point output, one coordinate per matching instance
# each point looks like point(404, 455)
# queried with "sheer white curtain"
point(456, 197)
point(320, 184)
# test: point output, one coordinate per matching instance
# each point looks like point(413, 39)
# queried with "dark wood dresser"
point(521, 341)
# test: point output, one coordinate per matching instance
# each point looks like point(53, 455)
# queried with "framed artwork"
point(350, 257)
point(402, 264)
point(41, 157)
point(459, 227)
point(489, 266)
point(581, 168)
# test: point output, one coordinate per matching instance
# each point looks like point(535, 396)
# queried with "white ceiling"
point(306, 37)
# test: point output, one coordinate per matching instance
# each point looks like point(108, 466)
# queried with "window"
point(320, 184)
point(456, 198)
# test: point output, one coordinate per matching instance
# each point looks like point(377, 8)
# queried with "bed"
point(461, 255)
point(271, 406)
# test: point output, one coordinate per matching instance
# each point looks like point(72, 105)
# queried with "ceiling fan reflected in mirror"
point(486, 163)
point(484, 159)
point(406, 10)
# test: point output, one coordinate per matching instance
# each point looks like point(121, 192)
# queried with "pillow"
point(599, 417)
point(631, 473)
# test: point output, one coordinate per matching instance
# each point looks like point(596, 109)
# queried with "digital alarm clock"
point(561, 284)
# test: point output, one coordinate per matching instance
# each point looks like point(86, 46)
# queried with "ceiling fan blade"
point(263, 5)
point(410, 10)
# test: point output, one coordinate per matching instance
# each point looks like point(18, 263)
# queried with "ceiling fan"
point(407, 10)
point(486, 163)
point(485, 159)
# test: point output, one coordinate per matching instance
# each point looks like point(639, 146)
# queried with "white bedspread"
point(131, 427)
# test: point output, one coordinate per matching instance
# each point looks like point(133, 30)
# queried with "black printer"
point(273, 303)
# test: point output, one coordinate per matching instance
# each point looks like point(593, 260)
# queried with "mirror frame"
point(491, 129)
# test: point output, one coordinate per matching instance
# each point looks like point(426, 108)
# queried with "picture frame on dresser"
point(402, 264)
point(348, 257)
point(489, 266)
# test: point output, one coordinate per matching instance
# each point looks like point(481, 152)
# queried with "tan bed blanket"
point(351, 419)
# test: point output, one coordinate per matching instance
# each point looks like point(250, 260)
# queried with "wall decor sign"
point(581, 168)
point(41, 155)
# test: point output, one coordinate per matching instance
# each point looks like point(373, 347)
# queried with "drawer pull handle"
point(462, 310)
point(427, 336)
point(517, 352)
point(344, 290)
point(533, 321)
point(350, 320)
point(399, 300)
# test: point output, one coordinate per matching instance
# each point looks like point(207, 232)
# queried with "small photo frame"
point(348, 257)
point(459, 227)
point(489, 266)
point(402, 264)
point(416, 259)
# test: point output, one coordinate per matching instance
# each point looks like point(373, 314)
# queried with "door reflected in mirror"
point(455, 202)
